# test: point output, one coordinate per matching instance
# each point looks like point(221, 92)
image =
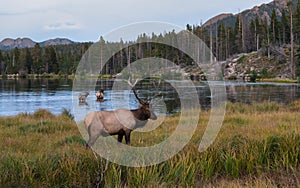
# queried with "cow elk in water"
point(82, 97)
point(100, 95)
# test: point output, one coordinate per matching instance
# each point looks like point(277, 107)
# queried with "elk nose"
point(153, 116)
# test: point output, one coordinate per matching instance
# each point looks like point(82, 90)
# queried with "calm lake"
point(25, 95)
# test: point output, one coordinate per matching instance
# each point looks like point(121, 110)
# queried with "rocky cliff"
point(256, 65)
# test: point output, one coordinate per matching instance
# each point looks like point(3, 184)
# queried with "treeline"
point(64, 59)
point(269, 36)
point(278, 38)
point(135, 50)
point(253, 35)
point(60, 59)
point(275, 38)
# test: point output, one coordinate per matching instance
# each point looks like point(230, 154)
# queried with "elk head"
point(146, 106)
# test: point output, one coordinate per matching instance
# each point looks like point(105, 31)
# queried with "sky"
point(84, 21)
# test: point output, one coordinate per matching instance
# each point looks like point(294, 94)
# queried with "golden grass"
point(277, 80)
point(258, 146)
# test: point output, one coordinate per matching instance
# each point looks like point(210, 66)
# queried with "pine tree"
point(284, 27)
point(36, 59)
point(222, 38)
point(24, 64)
point(297, 23)
point(53, 68)
point(293, 68)
point(265, 36)
point(189, 27)
point(50, 60)
point(238, 43)
point(252, 37)
point(2, 65)
point(274, 27)
point(16, 57)
point(28, 61)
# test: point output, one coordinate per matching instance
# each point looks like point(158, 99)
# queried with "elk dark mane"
point(141, 114)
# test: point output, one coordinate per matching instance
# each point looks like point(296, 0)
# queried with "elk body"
point(119, 122)
point(82, 97)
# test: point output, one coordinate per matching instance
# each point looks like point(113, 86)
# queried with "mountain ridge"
point(9, 43)
point(263, 11)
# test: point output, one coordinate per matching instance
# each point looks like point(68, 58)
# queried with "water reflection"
point(25, 95)
point(260, 92)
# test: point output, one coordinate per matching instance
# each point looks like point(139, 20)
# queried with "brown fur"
point(83, 97)
point(100, 94)
point(119, 122)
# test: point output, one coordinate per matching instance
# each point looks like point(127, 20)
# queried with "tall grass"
point(258, 145)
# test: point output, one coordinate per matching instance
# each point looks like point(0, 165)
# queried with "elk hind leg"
point(127, 137)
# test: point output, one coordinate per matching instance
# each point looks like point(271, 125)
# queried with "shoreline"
point(108, 76)
point(277, 80)
point(51, 76)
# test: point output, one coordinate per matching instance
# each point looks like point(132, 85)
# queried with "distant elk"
point(82, 97)
point(100, 95)
point(119, 122)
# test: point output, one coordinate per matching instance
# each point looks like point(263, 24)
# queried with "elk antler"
point(134, 91)
point(156, 87)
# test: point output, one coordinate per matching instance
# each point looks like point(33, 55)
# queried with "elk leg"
point(127, 137)
point(120, 136)
point(91, 141)
point(93, 136)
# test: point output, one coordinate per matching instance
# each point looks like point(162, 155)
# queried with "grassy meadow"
point(258, 146)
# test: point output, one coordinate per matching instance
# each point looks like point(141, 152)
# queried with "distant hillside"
point(218, 18)
point(263, 11)
point(8, 43)
point(57, 41)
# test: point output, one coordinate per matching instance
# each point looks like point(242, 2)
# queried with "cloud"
point(63, 26)
point(86, 20)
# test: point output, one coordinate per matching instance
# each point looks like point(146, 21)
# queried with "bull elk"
point(119, 122)
point(82, 97)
